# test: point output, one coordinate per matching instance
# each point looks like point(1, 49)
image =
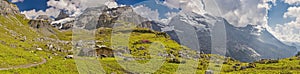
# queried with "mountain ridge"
point(243, 43)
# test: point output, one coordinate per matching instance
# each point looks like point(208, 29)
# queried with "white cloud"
point(111, 4)
point(292, 2)
point(186, 5)
point(63, 4)
point(33, 13)
point(289, 32)
point(15, 1)
point(243, 12)
point(238, 12)
point(71, 6)
point(292, 12)
point(146, 12)
point(169, 15)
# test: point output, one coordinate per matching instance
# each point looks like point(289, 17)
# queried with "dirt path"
point(25, 66)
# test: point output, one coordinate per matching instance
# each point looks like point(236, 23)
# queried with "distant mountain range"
point(246, 44)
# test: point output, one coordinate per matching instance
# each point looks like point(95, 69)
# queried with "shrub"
point(272, 61)
point(298, 54)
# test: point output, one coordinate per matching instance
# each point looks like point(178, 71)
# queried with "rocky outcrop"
point(96, 17)
point(8, 8)
point(89, 18)
point(62, 15)
point(153, 25)
point(107, 17)
point(43, 17)
point(39, 23)
point(43, 27)
point(124, 14)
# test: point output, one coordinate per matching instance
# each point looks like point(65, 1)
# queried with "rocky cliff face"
point(107, 17)
point(102, 16)
point(43, 17)
point(61, 15)
point(39, 23)
point(8, 8)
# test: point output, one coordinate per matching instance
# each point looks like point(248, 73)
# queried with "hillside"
point(26, 42)
point(22, 46)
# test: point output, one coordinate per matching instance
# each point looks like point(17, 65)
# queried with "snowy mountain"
point(295, 44)
point(246, 44)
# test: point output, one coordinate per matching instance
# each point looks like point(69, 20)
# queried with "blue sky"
point(32, 4)
point(276, 13)
point(152, 4)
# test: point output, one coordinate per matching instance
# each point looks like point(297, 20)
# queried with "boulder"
point(243, 68)
point(141, 48)
point(128, 59)
point(39, 49)
point(235, 67)
point(69, 57)
point(209, 72)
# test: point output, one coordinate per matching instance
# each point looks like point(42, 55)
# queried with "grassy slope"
point(111, 66)
point(12, 50)
point(17, 26)
point(56, 65)
point(284, 66)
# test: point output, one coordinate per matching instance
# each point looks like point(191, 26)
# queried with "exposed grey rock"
point(61, 15)
point(209, 72)
point(89, 18)
point(128, 59)
point(243, 68)
point(43, 17)
point(8, 8)
point(69, 57)
point(39, 24)
point(141, 48)
point(103, 16)
point(39, 49)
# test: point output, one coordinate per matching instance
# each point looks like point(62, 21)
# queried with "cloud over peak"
point(72, 7)
point(243, 12)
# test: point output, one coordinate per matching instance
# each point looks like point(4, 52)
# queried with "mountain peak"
point(61, 15)
point(253, 29)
